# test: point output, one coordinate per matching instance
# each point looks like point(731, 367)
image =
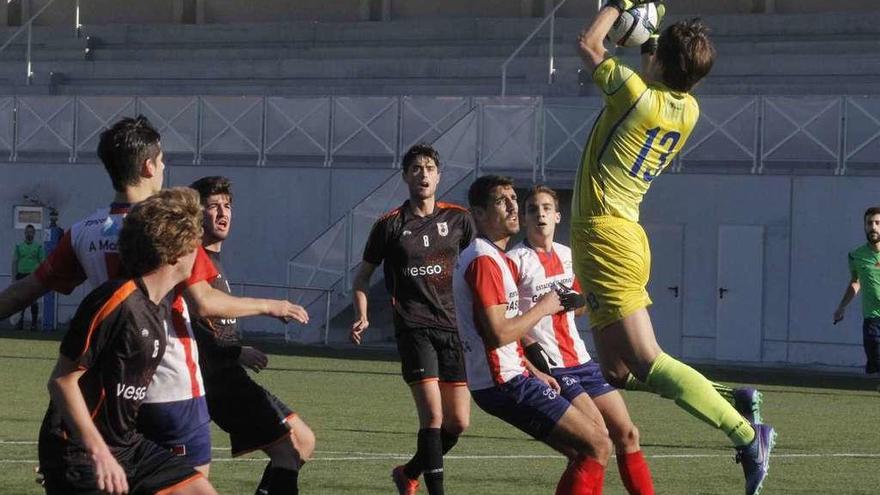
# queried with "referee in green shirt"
point(864, 268)
point(27, 257)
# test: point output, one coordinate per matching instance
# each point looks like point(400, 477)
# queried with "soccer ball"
point(635, 26)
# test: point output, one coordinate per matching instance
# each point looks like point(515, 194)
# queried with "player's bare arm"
point(591, 46)
point(502, 330)
point(209, 302)
point(360, 286)
point(66, 395)
point(21, 294)
point(851, 290)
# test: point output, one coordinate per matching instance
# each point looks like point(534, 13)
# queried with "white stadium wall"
point(277, 210)
point(788, 238)
point(782, 259)
point(805, 226)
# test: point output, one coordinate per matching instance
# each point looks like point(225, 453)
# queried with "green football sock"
point(695, 394)
point(636, 385)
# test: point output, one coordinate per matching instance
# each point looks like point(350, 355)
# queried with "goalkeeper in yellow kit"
point(646, 120)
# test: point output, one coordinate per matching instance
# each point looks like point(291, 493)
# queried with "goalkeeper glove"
point(568, 298)
point(650, 46)
point(539, 358)
point(624, 5)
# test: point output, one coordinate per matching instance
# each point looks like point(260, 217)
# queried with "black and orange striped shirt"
point(118, 337)
point(219, 338)
point(419, 255)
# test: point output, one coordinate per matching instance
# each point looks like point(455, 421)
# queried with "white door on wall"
point(664, 286)
point(740, 291)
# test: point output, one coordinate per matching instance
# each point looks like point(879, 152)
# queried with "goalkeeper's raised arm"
point(591, 40)
point(591, 46)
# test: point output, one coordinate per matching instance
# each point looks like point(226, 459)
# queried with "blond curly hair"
point(160, 230)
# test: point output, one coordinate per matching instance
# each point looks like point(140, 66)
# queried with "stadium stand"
point(759, 54)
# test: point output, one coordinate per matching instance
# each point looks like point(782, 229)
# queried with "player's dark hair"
point(685, 53)
point(160, 230)
point(211, 185)
point(870, 212)
point(419, 150)
point(30, 227)
point(478, 193)
point(542, 189)
point(124, 148)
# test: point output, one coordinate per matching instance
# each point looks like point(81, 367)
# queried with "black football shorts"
point(429, 353)
point(148, 467)
point(253, 417)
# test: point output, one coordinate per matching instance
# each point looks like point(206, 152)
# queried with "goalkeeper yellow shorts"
point(612, 261)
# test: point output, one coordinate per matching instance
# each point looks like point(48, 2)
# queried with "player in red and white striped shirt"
point(554, 345)
point(491, 326)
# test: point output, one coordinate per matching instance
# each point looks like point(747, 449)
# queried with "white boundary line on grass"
point(348, 455)
point(370, 456)
point(392, 456)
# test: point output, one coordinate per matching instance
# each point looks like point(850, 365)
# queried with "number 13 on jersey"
point(669, 141)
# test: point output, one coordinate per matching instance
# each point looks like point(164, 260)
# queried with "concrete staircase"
point(758, 54)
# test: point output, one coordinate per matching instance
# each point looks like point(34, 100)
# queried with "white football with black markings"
point(635, 26)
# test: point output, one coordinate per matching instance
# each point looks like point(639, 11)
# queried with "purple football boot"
point(755, 458)
point(747, 402)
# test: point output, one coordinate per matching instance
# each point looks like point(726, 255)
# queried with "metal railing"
point(28, 26)
point(551, 69)
point(551, 66)
point(325, 293)
point(760, 129)
point(330, 259)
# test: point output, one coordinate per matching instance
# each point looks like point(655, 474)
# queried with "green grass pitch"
point(362, 414)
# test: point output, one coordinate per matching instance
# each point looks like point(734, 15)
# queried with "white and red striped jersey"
point(178, 376)
point(537, 272)
point(482, 279)
point(88, 253)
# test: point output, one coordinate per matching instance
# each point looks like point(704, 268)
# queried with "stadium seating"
point(423, 57)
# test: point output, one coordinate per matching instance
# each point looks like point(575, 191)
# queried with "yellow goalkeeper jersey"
point(633, 140)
